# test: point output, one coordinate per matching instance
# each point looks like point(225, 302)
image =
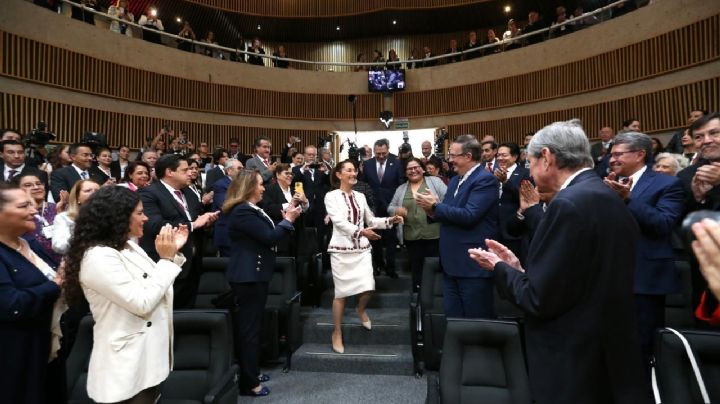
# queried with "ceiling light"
point(507, 9)
point(337, 28)
point(394, 22)
point(178, 19)
point(258, 27)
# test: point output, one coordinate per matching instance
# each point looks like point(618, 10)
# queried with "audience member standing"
point(64, 178)
point(280, 64)
point(253, 237)
point(255, 50)
point(260, 161)
point(168, 201)
point(130, 296)
point(510, 175)
point(220, 236)
point(600, 149)
point(45, 218)
point(421, 236)
point(675, 145)
point(120, 10)
point(30, 289)
point(118, 167)
point(656, 201)
point(137, 175)
point(467, 216)
point(64, 226)
point(13, 163)
point(275, 202)
point(315, 180)
point(151, 23)
point(384, 173)
point(580, 331)
point(220, 156)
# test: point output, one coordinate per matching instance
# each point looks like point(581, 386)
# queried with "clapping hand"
point(501, 174)
point(292, 213)
point(496, 252)
point(208, 198)
point(60, 206)
point(165, 244)
point(622, 189)
point(707, 252)
point(529, 195)
point(180, 235)
point(425, 200)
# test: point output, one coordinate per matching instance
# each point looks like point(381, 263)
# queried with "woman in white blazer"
point(349, 248)
point(130, 295)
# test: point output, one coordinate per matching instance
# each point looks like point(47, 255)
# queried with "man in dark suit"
point(576, 290)
point(64, 178)
point(117, 167)
point(489, 151)
point(169, 200)
point(13, 162)
point(467, 216)
point(657, 203)
point(701, 182)
point(599, 149)
point(315, 178)
point(675, 143)
point(220, 156)
point(384, 173)
point(220, 235)
point(510, 174)
point(260, 161)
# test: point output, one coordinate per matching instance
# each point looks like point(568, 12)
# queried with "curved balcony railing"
point(487, 48)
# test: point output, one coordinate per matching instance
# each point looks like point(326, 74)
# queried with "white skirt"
point(352, 273)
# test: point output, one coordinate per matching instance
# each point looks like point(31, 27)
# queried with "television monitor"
point(384, 81)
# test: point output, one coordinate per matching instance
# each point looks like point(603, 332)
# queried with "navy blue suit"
point(383, 192)
point(657, 202)
point(466, 220)
point(220, 235)
point(252, 262)
point(576, 292)
point(26, 306)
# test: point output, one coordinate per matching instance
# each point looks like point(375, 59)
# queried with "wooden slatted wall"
point(692, 45)
point(42, 63)
point(69, 122)
point(659, 111)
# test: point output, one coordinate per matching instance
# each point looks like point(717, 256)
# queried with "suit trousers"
point(385, 247)
point(650, 311)
point(250, 299)
point(418, 250)
point(468, 297)
point(185, 288)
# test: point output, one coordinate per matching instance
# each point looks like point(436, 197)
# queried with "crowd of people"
point(91, 232)
point(120, 9)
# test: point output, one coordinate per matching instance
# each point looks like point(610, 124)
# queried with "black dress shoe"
point(264, 391)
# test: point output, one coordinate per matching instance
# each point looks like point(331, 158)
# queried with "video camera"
point(440, 144)
point(39, 137)
point(95, 140)
point(405, 146)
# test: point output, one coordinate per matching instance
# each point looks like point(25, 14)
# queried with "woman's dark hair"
point(28, 173)
point(197, 181)
point(660, 147)
point(417, 160)
point(54, 159)
point(104, 220)
point(334, 180)
point(131, 167)
point(280, 168)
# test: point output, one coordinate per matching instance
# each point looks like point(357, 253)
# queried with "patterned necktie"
point(11, 175)
point(83, 175)
point(381, 171)
point(181, 199)
point(266, 162)
point(489, 166)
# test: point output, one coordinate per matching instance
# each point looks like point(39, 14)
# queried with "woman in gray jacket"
point(421, 236)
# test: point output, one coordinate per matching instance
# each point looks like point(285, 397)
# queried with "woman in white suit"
point(130, 295)
point(349, 248)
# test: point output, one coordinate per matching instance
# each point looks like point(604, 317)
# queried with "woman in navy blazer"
point(253, 237)
point(29, 289)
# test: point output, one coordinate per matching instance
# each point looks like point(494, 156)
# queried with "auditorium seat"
point(77, 363)
point(482, 362)
point(678, 306)
point(281, 324)
point(204, 369)
point(675, 377)
point(433, 315)
point(212, 282)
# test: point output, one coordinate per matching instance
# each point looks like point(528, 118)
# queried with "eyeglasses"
point(619, 154)
point(452, 156)
point(413, 168)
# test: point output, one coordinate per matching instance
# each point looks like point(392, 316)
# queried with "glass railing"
point(556, 29)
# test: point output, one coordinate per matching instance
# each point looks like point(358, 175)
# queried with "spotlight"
point(178, 19)
point(386, 117)
point(337, 28)
point(507, 9)
point(394, 22)
point(258, 27)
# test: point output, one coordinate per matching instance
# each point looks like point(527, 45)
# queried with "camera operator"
point(120, 10)
point(13, 164)
point(150, 20)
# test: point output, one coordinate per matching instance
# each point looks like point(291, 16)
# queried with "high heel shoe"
point(264, 391)
point(337, 348)
point(366, 324)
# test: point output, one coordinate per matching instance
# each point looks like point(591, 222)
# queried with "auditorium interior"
point(340, 75)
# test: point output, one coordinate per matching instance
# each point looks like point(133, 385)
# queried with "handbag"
point(693, 364)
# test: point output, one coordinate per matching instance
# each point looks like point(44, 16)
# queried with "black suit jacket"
point(162, 208)
point(213, 175)
point(384, 190)
point(509, 202)
point(115, 170)
point(577, 293)
point(26, 170)
point(64, 178)
point(315, 190)
point(712, 199)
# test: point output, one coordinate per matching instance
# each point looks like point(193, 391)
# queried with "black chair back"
point(77, 363)
point(482, 362)
point(213, 282)
point(433, 314)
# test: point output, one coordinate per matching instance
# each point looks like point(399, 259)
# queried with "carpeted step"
point(359, 359)
point(389, 327)
point(385, 300)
